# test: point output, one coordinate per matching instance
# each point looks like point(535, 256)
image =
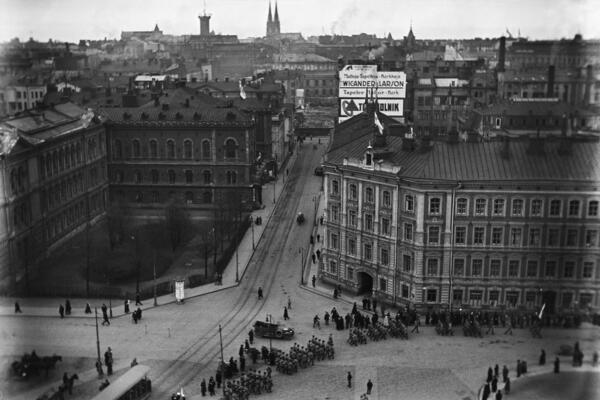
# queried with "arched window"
point(352, 194)
point(207, 177)
point(207, 197)
point(135, 146)
point(188, 149)
point(154, 175)
point(155, 197)
point(118, 153)
point(171, 176)
point(49, 165)
point(189, 177)
point(55, 162)
point(230, 148)
point(189, 197)
point(72, 155)
point(137, 176)
point(170, 148)
point(206, 149)
point(153, 148)
point(231, 177)
point(369, 195)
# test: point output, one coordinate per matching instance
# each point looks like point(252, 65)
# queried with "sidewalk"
point(44, 307)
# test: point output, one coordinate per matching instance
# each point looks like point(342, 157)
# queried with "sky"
point(71, 20)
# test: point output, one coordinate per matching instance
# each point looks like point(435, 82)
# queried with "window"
point(189, 176)
point(435, 205)
point(550, 269)
point(352, 191)
point(431, 295)
point(332, 267)
point(497, 236)
point(333, 243)
point(476, 267)
point(189, 197)
point(517, 207)
point(457, 296)
point(352, 246)
point(155, 197)
point(515, 236)
point(585, 299)
point(588, 269)
point(170, 148)
point(387, 199)
point(498, 207)
point(335, 187)
point(512, 298)
point(118, 153)
point(460, 235)
point(153, 148)
point(478, 235)
point(409, 203)
point(206, 153)
point(405, 291)
point(532, 269)
point(593, 208)
point(188, 150)
point(567, 299)
point(368, 251)
point(495, 268)
point(433, 235)
point(534, 236)
point(591, 238)
point(231, 177)
point(408, 231)
point(574, 208)
point(475, 295)
point(571, 237)
point(569, 270)
point(432, 267)
point(461, 206)
point(407, 263)
point(493, 296)
point(207, 177)
point(335, 212)
point(553, 237)
point(352, 218)
point(230, 148)
point(513, 268)
point(385, 257)
point(385, 226)
point(555, 206)
point(135, 146)
point(536, 208)
point(171, 176)
point(207, 197)
point(139, 198)
point(369, 195)
point(530, 297)
point(459, 267)
point(137, 176)
point(350, 273)
point(480, 206)
point(368, 222)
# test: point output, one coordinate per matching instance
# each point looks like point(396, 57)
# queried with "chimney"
point(501, 54)
point(550, 91)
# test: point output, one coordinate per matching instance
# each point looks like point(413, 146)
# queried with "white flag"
point(242, 93)
point(542, 311)
point(378, 124)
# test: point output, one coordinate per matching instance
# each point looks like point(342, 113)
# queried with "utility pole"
point(222, 359)
point(154, 273)
point(301, 251)
point(237, 278)
point(99, 361)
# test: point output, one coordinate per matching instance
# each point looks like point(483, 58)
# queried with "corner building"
point(471, 224)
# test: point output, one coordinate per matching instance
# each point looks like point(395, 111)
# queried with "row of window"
point(61, 191)
point(367, 253)
point(369, 196)
point(514, 269)
point(231, 177)
point(67, 157)
point(511, 297)
point(18, 179)
point(155, 197)
point(65, 221)
point(385, 225)
point(231, 147)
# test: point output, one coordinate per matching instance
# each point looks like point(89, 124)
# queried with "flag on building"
point(542, 311)
point(378, 123)
point(242, 92)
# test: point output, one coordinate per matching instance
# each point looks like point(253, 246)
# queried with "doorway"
point(549, 298)
point(365, 283)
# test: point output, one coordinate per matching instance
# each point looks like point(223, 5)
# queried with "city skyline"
point(66, 20)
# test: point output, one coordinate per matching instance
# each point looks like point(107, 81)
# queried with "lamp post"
point(154, 277)
point(222, 359)
point(137, 256)
point(301, 251)
point(252, 227)
point(99, 360)
point(274, 182)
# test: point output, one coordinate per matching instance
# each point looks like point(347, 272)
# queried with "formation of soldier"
point(253, 382)
point(303, 356)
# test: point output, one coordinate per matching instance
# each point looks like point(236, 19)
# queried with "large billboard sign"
point(359, 81)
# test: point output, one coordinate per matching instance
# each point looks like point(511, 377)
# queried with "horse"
point(48, 362)
point(69, 383)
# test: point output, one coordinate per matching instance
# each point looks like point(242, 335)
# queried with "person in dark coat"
point(285, 313)
point(499, 395)
point(211, 386)
point(518, 368)
point(494, 384)
point(61, 311)
point(486, 392)
point(314, 258)
point(375, 305)
point(67, 307)
point(88, 308)
point(260, 293)
point(203, 387)
point(543, 357)
point(496, 371)
point(489, 375)
point(126, 306)
point(251, 336)
point(241, 352)
point(507, 385)
point(504, 373)
point(218, 379)
point(105, 320)
point(138, 301)
point(369, 386)
point(17, 308)
point(312, 240)
point(349, 378)
point(556, 365)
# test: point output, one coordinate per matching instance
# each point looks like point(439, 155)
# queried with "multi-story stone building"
point(53, 183)
point(185, 146)
point(477, 223)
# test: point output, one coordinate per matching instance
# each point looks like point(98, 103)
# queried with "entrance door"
point(549, 298)
point(365, 283)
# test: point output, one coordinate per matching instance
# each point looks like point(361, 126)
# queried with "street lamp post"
point(301, 251)
point(222, 359)
point(274, 182)
point(137, 256)
point(270, 319)
point(252, 227)
point(99, 361)
point(154, 277)
point(237, 263)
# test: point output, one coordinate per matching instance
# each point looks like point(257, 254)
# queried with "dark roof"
point(482, 161)
point(356, 128)
point(524, 108)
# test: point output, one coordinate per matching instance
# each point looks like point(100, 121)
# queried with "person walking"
point(369, 386)
point(203, 387)
point(349, 378)
point(417, 323)
point(67, 307)
point(314, 257)
point(126, 306)
point(88, 308)
point(285, 314)
point(17, 308)
point(260, 293)
point(543, 357)
point(318, 238)
point(556, 365)
point(289, 303)
point(61, 311)
point(251, 336)
point(507, 385)
point(314, 280)
point(312, 240)
point(138, 300)
point(105, 320)
point(108, 361)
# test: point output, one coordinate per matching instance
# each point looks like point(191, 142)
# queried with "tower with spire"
point(273, 26)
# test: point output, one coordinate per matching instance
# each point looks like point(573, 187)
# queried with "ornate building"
point(273, 27)
point(479, 223)
point(53, 183)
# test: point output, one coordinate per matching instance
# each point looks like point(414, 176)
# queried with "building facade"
point(53, 184)
point(482, 224)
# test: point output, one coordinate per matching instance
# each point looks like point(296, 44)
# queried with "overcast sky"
point(78, 19)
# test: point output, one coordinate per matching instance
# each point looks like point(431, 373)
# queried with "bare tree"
point(177, 221)
point(116, 223)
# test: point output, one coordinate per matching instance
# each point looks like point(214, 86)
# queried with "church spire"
point(276, 13)
point(270, 18)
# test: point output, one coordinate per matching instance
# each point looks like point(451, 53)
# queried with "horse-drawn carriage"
point(32, 364)
point(300, 218)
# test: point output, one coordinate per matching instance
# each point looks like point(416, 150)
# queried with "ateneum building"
point(462, 222)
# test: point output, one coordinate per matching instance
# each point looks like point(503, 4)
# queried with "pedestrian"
point(138, 301)
point(494, 384)
point(61, 311)
point(318, 254)
point(375, 305)
point(321, 219)
point(134, 362)
point(349, 379)
point(543, 357)
point(241, 352)
point(496, 371)
point(486, 391)
point(242, 364)
point(203, 387)
point(251, 336)
point(595, 359)
point(285, 314)
point(211, 386)
point(518, 368)
point(507, 385)
point(289, 303)
point(105, 320)
point(17, 308)
point(417, 323)
point(67, 307)
point(326, 318)
point(369, 386)
point(335, 293)
point(108, 361)
point(499, 395)
point(126, 306)
point(504, 373)
point(99, 367)
point(314, 257)
point(318, 238)
point(557, 365)
point(218, 378)
point(312, 240)
point(314, 280)
point(490, 374)
point(260, 293)
point(88, 308)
